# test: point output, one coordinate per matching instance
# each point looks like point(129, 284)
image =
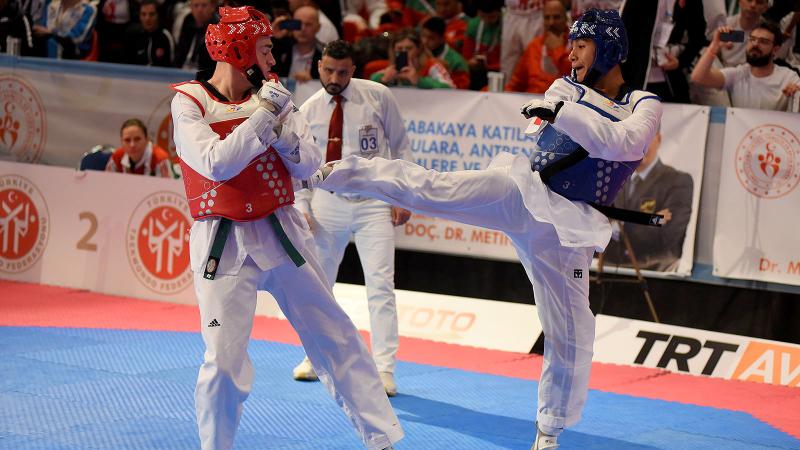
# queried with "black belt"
point(629, 215)
point(624, 215)
point(222, 235)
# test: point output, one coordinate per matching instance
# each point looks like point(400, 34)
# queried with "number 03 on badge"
point(368, 140)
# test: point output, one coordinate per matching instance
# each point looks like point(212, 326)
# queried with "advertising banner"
point(759, 199)
point(697, 352)
point(129, 235)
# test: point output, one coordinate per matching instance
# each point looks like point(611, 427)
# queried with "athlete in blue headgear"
point(594, 134)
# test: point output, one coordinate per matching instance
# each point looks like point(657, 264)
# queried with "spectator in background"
point(191, 52)
point(113, 21)
point(418, 68)
point(715, 14)
point(327, 30)
point(414, 11)
point(749, 17)
point(675, 51)
point(790, 51)
point(147, 43)
point(374, 9)
point(138, 155)
point(32, 9)
point(759, 83)
point(578, 7)
point(14, 24)
point(482, 42)
point(455, 22)
point(522, 22)
point(298, 52)
point(654, 188)
point(432, 36)
point(67, 29)
point(546, 58)
point(645, 23)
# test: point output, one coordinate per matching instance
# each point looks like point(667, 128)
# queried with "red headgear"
point(233, 39)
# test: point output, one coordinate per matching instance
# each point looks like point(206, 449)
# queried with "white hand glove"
point(545, 109)
point(287, 143)
point(276, 99)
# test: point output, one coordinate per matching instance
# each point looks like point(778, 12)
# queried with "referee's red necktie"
point(334, 152)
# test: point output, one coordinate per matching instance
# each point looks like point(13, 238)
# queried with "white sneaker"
point(387, 378)
point(544, 441)
point(317, 177)
point(305, 371)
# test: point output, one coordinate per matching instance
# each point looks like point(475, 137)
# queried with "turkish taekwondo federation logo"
point(24, 224)
point(157, 243)
point(768, 161)
point(22, 120)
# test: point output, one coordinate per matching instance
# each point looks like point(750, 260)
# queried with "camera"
point(291, 25)
point(732, 36)
point(401, 60)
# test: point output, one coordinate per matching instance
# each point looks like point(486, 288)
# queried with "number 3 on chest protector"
point(368, 140)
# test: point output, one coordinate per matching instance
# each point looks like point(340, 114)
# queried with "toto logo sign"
point(24, 224)
point(768, 161)
point(22, 120)
point(157, 243)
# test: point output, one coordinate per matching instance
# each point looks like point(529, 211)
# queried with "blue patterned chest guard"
point(567, 169)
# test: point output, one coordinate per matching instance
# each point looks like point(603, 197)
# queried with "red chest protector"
point(259, 189)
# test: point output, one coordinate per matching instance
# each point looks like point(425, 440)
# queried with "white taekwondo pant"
point(369, 221)
point(560, 275)
point(333, 344)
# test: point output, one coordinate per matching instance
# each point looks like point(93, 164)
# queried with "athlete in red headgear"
point(240, 151)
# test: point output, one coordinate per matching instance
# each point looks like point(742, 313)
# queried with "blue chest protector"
point(567, 169)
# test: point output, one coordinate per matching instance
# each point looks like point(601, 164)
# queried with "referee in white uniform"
point(367, 124)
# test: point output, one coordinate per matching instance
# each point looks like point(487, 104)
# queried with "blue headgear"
point(606, 29)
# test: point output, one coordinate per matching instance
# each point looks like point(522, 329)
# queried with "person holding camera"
point(243, 147)
point(297, 50)
point(411, 64)
point(751, 14)
point(758, 83)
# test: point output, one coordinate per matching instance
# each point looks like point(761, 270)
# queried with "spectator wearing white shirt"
point(368, 125)
point(758, 83)
point(750, 16)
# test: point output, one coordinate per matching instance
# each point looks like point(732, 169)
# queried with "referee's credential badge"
point(368, 140)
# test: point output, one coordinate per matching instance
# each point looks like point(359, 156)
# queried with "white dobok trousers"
point(331, 342)
point(493, 198)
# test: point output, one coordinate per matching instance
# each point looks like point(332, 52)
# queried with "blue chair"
point(96, 158)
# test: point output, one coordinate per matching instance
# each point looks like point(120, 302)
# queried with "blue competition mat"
point(64, 388)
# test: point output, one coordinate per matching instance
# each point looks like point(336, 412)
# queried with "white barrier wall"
point(128, 235)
